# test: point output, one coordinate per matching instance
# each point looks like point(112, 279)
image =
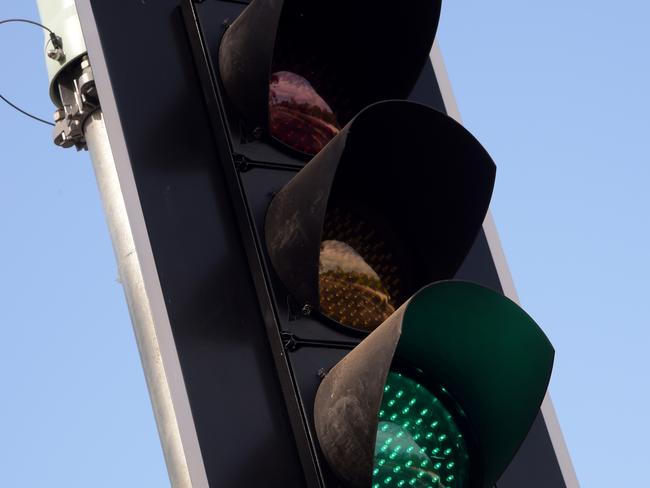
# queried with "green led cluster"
point(418, 443)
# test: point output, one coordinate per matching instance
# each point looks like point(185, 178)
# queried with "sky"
point(557, 93)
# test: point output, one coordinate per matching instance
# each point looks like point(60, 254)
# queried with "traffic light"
point(298, 71)
point(441, 394)
point(358, 203)
point(392, 203)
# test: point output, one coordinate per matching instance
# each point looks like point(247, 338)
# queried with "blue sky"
point(556, 91)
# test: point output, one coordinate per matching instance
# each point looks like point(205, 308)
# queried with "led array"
point(418, 443)
point(360, 291)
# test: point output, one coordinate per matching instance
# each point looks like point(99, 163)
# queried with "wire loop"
point(55, 42)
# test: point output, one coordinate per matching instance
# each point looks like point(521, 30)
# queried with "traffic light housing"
point(412, 183)
point(400, 172)
point(352, 53)
point(486, 359)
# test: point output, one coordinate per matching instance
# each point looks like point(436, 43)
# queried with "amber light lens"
point(358, 285)
point(299, 117)
point(351, 292)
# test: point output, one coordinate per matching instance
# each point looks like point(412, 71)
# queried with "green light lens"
point(418, 443)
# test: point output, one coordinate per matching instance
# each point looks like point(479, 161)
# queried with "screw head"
point(56, 54)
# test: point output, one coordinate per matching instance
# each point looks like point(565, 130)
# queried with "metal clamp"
point(79, 98)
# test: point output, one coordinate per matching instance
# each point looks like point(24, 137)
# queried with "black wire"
point(55, 43)
point(25, 113)
point(27, 21)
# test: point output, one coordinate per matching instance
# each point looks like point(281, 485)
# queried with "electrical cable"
point(56, 43)
point(27, 21)
point(24, 112)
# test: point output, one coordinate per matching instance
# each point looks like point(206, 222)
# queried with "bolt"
point(59, 115)
point(307, 309)
point(85, 63)
point(89, 90)
point(56, 54)
point(257, 132)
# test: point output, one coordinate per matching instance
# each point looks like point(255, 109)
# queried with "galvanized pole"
point(130, 274)
point(80, 123)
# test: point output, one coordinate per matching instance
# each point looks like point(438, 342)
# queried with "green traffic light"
point(418, 444)
point(494, 363)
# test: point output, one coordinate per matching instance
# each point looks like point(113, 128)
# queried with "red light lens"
point(299, 117)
